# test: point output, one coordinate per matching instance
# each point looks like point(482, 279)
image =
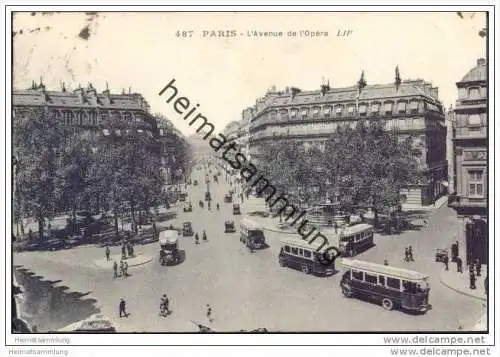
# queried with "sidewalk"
point(460, 283)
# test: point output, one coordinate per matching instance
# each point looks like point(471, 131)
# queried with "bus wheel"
point(346, 290)
point(305, 269)
point(387, 304)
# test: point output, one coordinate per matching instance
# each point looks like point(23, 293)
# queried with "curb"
point(485, 299)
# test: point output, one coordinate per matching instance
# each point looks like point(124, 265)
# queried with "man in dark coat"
point(478, 267)
point(445, 261)
point(459, 264)
point(122, 308)
point(472, 279)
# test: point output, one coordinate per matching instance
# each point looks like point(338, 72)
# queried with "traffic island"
point(136, 260)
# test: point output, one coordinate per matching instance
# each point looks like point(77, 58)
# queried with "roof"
point(37, 97)
point(370, 92)
point(384, 269)
point(317, 245)
point(250, 224)
point(477, 73)
point(169, 236)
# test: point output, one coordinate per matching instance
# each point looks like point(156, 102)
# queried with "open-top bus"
point(310, 257)
point(393, 287)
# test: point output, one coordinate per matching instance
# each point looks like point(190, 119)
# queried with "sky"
point(224, 75)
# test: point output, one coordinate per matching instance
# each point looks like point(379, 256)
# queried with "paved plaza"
point(250, 290)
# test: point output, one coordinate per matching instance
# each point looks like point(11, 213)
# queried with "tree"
point(369, 165)
point(38, 137)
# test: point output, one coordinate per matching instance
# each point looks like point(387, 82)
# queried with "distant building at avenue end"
point(470, 153)
point(410, 107)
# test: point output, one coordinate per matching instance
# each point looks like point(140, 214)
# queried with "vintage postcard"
point(251, 172)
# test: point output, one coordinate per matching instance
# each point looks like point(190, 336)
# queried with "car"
point(236, 209)
point(229, 227)
point(187, 229)
point(195, 183)
point(188, 207)
point(228, 198)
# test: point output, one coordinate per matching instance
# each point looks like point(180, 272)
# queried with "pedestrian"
point(407, 255)
point(486, 285)
point(125, 269)
point(124, 254)
point(478, 267)
point(454, 254)
point(445, 261)
point(122, 268)
point(108, 252)
point(471, 268)
point(209, 313)
point(458, 249)
point(472, 278)
point(386, 262)
point(410, 253)
point(115, 269)
point(204, 236)
point(459, 264)
point(122, 308)
point(154, 228)
point(131, 249)
point(196, 239)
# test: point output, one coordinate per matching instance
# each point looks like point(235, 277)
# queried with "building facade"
point(87, 109)
point(411, 107)
point(470, 151)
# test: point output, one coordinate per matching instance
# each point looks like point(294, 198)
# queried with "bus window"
point(301, 252)
point(372, 279)
point(307, 254)
point(409, 287)
point(381, 280)
point(295, 251)
point(287, 249)
point(393, 283)
point(358, 275)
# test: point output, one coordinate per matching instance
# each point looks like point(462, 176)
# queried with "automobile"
point(228, 198)
point(208, 197)
point(441, 255)
point(236, 209)
point(188, 207)
point(187, 229)
point(183, 196)
point(195, 183)
point(169, 247)
point(229, 227)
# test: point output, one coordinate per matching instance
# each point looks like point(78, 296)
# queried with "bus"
point(390, 286)
point(354, 239)
point(308, 257)
point(252, 234)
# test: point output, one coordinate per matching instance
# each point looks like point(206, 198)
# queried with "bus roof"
point(250, 224)
point(304, 244)
point(169, 236)
point(382, 269)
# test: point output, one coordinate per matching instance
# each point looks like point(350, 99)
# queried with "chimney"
point(107, 94)
point(80, 92)
point(481, 62)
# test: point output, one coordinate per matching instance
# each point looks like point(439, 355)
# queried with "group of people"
point(123, 269)
point(127, 249)
point(409, 254)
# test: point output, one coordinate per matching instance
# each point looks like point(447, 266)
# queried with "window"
point(301, 252)
point(381, 280)
point(372, 279)
point(303, 112)
point(338, 110)
point(362, 109)
point(474, 120)
point(393, 283)
point(350, 109)
point(295, 251)
point(388, 107)
point(475, 183)
point(474, 92)
point(272, 114)
point(293, 113)
point(328, 110)
point(401, 107)
point(414, 105)
point(375, 108)
point(315, 111)
point(358, 275)
point(287, 249)
point(307, 254)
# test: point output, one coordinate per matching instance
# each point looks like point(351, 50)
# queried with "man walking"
point(122, 308)
point(410, 253)
point(209, 313)
point(478, 267)
point(459, 264)
point(407, 255)
point(115, 269)
point(445, 261)
point(125, 269)
point(108, 252)
point(122, 268)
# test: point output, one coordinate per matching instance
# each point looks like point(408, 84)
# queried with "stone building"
point(410, 107)
point(470, 151)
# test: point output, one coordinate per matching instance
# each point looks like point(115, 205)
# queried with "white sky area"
point(225, 75)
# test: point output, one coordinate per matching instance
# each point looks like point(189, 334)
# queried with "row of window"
point(472, 93)
point(387, 107)
point(298, 252)
point(388, 282)
point(71, 117)
point(360, 236)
